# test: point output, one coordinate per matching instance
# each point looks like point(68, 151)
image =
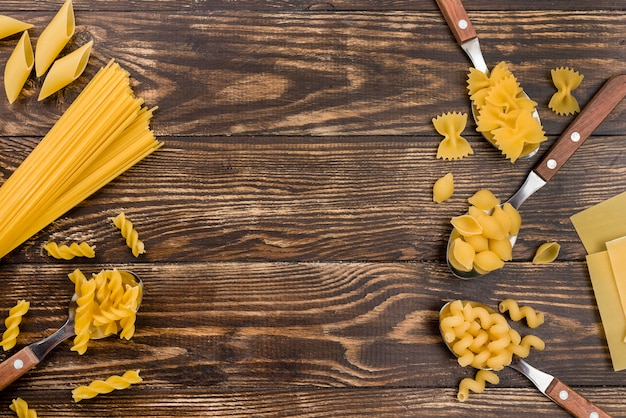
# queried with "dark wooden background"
point(295, 260)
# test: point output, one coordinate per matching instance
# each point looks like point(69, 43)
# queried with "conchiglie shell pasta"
point(54, 38)
point(488, 261)
point(516, 218)
point(479, 242)
point(10, 26)
point(502, 248)
point(484, 199)
point(18, 67)
point(490, 226)
point(466, 225)
point(65, 70)
point(443, 188)
point(463, 253)
point(547, 253)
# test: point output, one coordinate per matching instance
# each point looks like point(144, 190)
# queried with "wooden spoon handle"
point(595, 111)
point(17, 365)
point(573, 402)
point(457, 19)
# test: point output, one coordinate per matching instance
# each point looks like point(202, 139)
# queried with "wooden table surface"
point(295, 260)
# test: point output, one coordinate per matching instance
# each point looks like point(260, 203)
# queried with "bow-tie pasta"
point(565, 80)
point(453, 146)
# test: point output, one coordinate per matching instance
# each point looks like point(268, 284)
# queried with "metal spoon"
point(465, 35)
point(563, 395)
point(595, 111)
point(28, 357)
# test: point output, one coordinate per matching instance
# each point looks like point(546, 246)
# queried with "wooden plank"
point(305, 199)
point(324, 74)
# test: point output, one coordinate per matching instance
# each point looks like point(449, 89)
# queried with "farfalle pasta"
point(65, 70)
point(12, 322)
point(54, 38)
point(503, 112)
point(98, 387)
point(565, 80)
point(481, 338)
point(67, 252)
point(547, 253)
point(453, 146)
point(480, 239)
point(443, 189)
point(21, 409)
point(106, 306)
point(129, 232)
point(10, 26)
point(18, 67)
point(517, 312)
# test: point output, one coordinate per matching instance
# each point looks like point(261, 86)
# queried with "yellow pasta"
point(65, 70)
point(106, 306)
point(504, 113)
point(112, 383)
point(443, 188)
point(565, 80)
point(517, 313)
point(103, 133)
point(487, 228)
point(21, 409)
point(453, 146)
point(130, 234)
point(54, 38)
point(10, 26)
point(18, 68)
point(67, 252)
point(12, 322)
point(546, 253)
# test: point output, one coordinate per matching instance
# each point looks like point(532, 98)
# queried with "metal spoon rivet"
point(18, 364)
point(563, 394)
point(551, 164)
point(462, 24)
point(575, 137)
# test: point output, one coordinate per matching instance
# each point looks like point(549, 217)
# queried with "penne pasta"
point(10, 26)
point(65, 70)
point(54, 38)
point(18, 67)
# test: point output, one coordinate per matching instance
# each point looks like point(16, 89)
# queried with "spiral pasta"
point(130, 234)
point(477, 384)
point(106, 306)
point(67, 252)
point(453, 146)
point(565, 80)
point(517, 313)
point(12, 322)
point(112, 383)
point(21, 409)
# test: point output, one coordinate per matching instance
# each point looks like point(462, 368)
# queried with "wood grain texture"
point(295, 259)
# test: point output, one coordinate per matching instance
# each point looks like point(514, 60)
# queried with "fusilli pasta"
point(12, 322)
point(21, 409)
point(67, 252)
point(130, 234)
point(112, 383)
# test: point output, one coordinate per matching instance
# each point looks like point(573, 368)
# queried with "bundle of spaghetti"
point(103, 133)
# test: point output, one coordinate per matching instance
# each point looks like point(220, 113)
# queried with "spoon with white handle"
point(28, 357)
point(563, 395)
point(595, 111)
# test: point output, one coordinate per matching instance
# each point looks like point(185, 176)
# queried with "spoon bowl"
point(28, 357)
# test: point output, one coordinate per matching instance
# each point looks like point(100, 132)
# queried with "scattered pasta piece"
point(565, 80)
point(443, 188)
point(504, 113)
point(517, 313)
point(10, 26)
point(21, 409)
point(67, 252)
point(486, 227)
point(453, 146)
point(54, 38)
point(106, 306)
point(65, 70)
point(112, 383)
point(130, 234)
point(12, 322)
point(477, 384)
point(547, 253)
point(18, 67)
